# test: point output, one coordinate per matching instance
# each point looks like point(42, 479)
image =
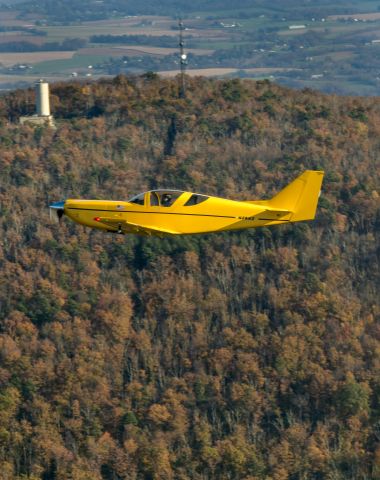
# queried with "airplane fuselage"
point(162, 212)
point(215, 214)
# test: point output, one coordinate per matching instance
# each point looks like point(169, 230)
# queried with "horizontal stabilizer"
point(275, 215)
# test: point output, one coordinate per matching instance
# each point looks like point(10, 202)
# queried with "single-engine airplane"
point(174, 212)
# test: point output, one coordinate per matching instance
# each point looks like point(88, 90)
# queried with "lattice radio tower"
point(182, 61)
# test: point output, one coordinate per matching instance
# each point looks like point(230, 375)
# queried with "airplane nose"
point(57, 210)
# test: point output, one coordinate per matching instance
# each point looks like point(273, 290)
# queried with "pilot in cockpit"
point(166, 200)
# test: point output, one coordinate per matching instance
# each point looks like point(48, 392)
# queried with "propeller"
point(57, 211)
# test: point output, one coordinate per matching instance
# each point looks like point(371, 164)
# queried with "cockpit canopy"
point(166, 198)
point(139, 199)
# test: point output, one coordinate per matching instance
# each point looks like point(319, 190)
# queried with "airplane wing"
point(129, 227)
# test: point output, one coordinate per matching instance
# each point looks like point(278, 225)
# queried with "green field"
point(59, 66)
point(225, 45)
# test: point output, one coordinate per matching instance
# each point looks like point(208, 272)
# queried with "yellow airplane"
point(174, 212)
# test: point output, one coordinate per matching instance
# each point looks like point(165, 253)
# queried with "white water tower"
point(42, 99)
point(42, 115)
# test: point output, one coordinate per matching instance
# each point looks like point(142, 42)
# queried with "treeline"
point(25, 46)
point(157, 41)
point(27, 30)
point(249, 355)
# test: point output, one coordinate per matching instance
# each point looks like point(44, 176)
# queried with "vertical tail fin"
point(300, 196)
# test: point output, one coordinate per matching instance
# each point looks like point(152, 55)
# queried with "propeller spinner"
point(57, 211)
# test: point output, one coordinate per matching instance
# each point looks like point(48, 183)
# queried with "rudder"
point(300, 196)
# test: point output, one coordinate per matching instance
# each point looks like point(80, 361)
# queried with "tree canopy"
point(248, 355)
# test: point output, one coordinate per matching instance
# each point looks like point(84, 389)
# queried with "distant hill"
point(90, 10)
point(249, 355)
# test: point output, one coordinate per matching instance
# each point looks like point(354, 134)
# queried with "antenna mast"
point(182, 61)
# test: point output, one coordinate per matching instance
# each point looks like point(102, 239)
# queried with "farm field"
point(9, 59)
point(332, 42)
point(358, 16)
point(204, 72)
point(222, 72)
point(158, 50)
point(8, 82)
point(11, 19)
point(78, 64)
point(8, 37)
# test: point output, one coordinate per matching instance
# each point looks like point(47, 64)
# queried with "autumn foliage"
point(249, 355)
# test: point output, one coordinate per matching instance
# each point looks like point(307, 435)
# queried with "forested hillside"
point(251, 355)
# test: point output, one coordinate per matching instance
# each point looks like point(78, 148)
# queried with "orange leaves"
point(158, 414)
point(191, 262)
point(19, 325)
point(10, 400)
point(376, 463)
point(215, 302)
point(233, 456)
point(239, 339)
point(9, 351)
point(179, 415)
point(318, 454)
point(221, 360)
point(113, 313)
point(105, 445)
point(226, 356)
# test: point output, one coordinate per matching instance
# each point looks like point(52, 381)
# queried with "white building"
point(42, 115)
